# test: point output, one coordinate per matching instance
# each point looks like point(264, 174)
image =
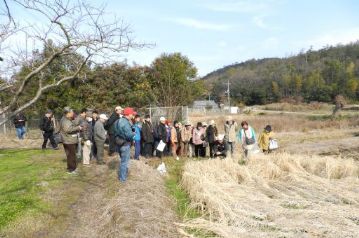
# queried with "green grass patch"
point(181, 197)
point(24, 176)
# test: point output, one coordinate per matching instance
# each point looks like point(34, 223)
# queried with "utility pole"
point(228, 94)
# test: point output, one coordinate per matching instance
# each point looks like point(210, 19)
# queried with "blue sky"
point(215, 33)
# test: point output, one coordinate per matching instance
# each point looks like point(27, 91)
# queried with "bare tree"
point(73, 27)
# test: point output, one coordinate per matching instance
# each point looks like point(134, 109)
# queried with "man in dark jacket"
point(161, 135)
point(94, 147)
point(211, 134)
point(47, 125)
point(110, 127)
point(19, 122)
point(147, 136)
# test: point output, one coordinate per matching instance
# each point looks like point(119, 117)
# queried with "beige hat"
point(162, 119)
point(212, 122)
point(103, 116)
point(204, 123)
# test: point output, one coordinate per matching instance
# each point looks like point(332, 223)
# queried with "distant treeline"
point(309, 76)
point(168, 81)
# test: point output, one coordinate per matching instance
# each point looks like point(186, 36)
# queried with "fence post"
point(4, 126)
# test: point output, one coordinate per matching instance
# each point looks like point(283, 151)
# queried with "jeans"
point(124, 152)
point(20, 132)
point(137, 149)
point(230, 147)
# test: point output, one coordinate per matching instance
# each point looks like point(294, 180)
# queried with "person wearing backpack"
point(124, 136)
point(47, 126)
point(110, 128)
point(247, 137)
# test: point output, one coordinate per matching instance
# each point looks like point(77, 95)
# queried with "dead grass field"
point(280, 195)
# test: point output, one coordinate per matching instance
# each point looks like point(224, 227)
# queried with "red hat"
point(129, 110)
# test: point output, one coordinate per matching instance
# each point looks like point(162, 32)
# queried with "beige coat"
point(68, 131)
point(186, 135)
point(230, 132)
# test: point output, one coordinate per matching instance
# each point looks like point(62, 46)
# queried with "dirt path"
point(139, 208)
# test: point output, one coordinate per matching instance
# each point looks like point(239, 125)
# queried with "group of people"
point(84, 135)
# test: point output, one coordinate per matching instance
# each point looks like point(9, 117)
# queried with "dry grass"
point(9, 141)
point(141, 208)
point(279, 195)
point(281, 123)
point(301, 107)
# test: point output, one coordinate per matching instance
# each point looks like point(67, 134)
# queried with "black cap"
point(268, 128)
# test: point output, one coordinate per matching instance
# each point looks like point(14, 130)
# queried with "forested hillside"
point(309, 76)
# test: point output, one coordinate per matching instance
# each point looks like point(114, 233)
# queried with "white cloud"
point(342, 36)
point(222, 44)
point(202, 25)
point(258, 21)
point(270, 43)
point(243, 6)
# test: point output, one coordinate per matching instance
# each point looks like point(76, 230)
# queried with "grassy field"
point(25, 175)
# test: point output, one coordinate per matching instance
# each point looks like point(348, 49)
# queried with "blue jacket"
point(138, 129)
point(124, 129)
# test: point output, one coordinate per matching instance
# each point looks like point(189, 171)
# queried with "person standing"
point(20, 122)
point(186, 135)
point(230, 129)
point(80, 120)
point(94, 147)
point(211, 134)
point(69, 131)
point(147, 137)
point(138, 127)
point(126, 135)
point(110, 127)
point(264, 139)
point(175, 139)
point(198, 139)
point(100, 137)
point(247, 137)
point(87, 136)
point(162, 135)
point(47, 126)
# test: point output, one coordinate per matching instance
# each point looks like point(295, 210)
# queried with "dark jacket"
point(86, 133)
point(211, 134)
point(147, 132)
point(162, 132)
point(221, 148)
point(110, 124)
point(47, 124)
point(19, 120)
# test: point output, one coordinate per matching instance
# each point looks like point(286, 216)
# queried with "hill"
point(308, 76)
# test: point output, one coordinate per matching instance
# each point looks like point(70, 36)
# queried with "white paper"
point(161, 146)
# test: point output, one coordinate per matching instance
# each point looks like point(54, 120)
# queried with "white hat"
point(118, 108)
point(211, 122)
point(103, 116)
point(162, 119)
point(204, 123)
point(220, 137)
